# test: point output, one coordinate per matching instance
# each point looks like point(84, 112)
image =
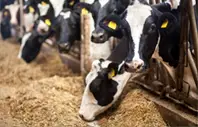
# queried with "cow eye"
point(152, 28)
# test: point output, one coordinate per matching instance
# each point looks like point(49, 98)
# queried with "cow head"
point(143, 24)
point(70, 25)
point(99, 35)
point(30, 46)
point(43, 6)
point(30, 7)
point(104, 84)
point(169, 29)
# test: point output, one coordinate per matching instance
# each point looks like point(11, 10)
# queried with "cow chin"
point(89, 108)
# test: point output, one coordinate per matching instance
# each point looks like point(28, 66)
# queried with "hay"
point(45, 93)
point(52, 102)
point(134, 111)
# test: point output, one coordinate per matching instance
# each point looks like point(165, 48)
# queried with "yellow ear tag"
point(165, 24)
point(84, 11)
point(71, 3)
point(111, 74)
point(31, 9)
point(5, 13)
point(112, 25)
point(47, 21)
point(43, 3)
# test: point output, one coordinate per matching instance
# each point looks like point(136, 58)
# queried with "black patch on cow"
point(5, 26)
point(170, 38)
point(32, 47)
point(148, 40)
point(103, 89)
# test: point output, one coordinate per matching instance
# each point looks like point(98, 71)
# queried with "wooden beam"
point(21, 18)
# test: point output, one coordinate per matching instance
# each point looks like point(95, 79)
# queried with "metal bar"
point(21, 18)
point(183, 41)
point(193, 29)
point(193, 68)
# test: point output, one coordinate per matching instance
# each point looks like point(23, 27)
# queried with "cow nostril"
point(81, 116)
point(101, 36)
point(139, 66)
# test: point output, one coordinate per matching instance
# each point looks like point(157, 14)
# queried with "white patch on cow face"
point(137, 15)
point(29, 21)
point(65, 15)
point(103, 2)
point(24, 40)
point(42, 26)
point(89, 1)
point(43, 9)
point(97, 51)
point(13, 8)
point(57, 6)
point(89, 107)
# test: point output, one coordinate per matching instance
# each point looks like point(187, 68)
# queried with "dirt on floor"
point(46, 93)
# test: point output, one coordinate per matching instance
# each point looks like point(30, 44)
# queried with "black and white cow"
point(105, 82)
point(143, 25)
point(31, 45)
point(99, 35)
point(70, 24)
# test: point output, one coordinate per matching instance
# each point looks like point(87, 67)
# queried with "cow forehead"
point(103, 2)
point(65, 15)
point(137, 14)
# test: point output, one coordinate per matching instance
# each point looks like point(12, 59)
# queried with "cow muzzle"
point(64, 47)
point(100, 37)
point(135, 66)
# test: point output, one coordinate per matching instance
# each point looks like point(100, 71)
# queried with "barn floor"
point(45, 93)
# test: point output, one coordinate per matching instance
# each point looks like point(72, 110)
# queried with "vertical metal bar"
point(21, 18)
point(193, 29)
point(183, 41)
point(193, 68)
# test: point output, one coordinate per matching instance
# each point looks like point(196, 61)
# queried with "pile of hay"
point(134, 111)
point(45, 93)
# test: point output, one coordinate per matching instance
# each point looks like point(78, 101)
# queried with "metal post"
point(183, 40)
point(21, 18)
point(193, 68)
point(193, 29)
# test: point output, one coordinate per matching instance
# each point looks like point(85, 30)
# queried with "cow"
point(70, 25)
point(30, 40)
point(145, 29)
point(105, 82)
point(99, 35)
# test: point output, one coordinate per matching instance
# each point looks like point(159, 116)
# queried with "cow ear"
point(112, 70)
point(112, 24)
point(84, 8)
point(167, 23)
